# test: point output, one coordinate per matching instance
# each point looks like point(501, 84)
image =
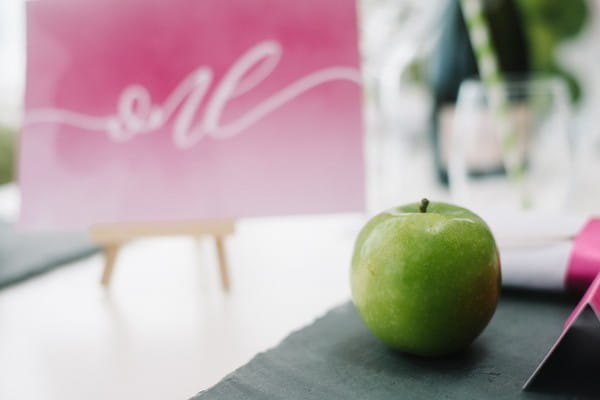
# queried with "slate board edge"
point(290, 336)
point(57, 263)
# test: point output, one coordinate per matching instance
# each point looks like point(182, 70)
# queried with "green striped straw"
point(491, 77)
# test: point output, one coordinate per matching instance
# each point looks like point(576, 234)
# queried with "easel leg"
point(110, 257)
point(223, 268)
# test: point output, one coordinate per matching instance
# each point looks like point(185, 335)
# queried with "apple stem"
point(423, 206)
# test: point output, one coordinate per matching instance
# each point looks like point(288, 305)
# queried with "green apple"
point(426, 277)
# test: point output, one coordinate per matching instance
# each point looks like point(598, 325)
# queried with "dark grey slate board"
point(25, 255)
point(337, 358)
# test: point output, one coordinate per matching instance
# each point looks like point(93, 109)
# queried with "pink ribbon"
point(584, 264)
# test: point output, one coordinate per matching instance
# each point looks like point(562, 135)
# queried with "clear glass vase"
point(518, 158)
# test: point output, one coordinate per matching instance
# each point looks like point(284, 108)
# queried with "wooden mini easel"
point(113, 237)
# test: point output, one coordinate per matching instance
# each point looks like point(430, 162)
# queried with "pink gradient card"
point(573, 362)
point(152, 110)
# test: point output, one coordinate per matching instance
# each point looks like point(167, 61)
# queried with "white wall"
point(12, 59)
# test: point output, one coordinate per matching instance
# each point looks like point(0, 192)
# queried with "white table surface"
point(165, 329)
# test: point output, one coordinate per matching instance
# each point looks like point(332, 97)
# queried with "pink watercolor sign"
point(151, 110)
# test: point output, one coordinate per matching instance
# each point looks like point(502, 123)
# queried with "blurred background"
point(416, 55)
point(430, 131)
